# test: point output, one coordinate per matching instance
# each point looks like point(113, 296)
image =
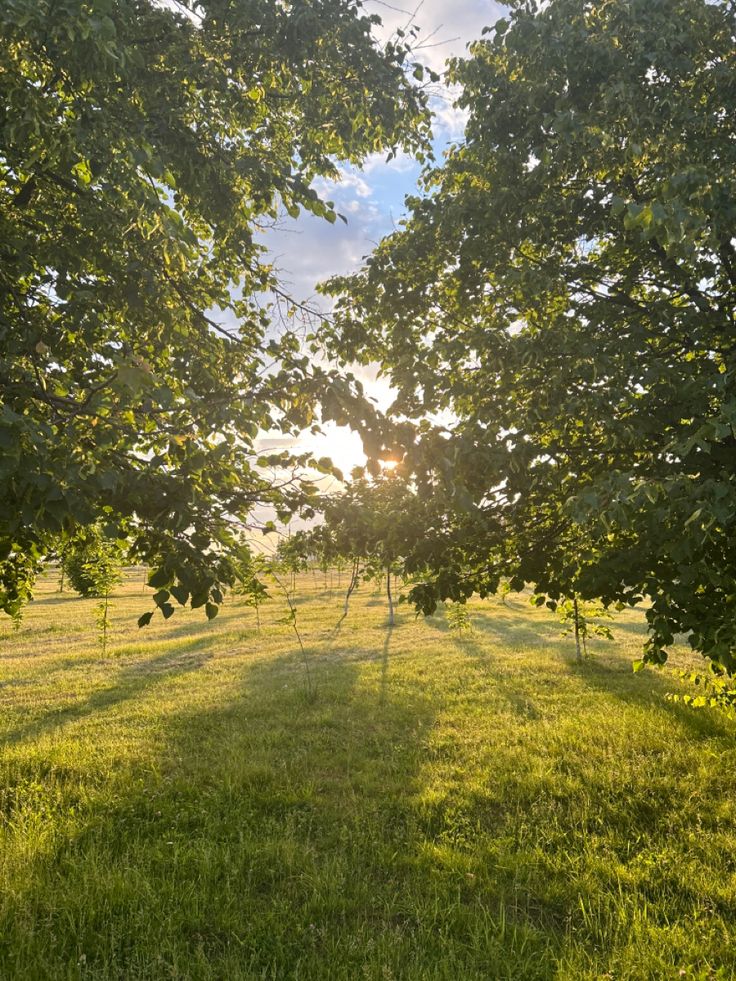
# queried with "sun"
point(341, 444)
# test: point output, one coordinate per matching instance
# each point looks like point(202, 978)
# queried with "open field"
point(448, 806)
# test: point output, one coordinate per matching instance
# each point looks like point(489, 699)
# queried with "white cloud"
point(348, 182)
point(400, 164)
point(449, 121)
point(446, 28)
point(309, 250)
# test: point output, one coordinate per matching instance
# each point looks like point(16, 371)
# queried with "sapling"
point(104, 569)
point(249, 585)
point(352, 585)
point(93, 565)
point(291, 618)
point(579, 618)
point(458, 618)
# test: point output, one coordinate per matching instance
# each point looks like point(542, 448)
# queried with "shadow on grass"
point(281, 837)
point(273, 844)
point(505, 626)
point(129, 682)
point(55, 599)
point(647, 689)
point(514, 630)
point(385, 663)
point(601, 671)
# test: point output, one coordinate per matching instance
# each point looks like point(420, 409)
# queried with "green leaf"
point(180, 594)
point(159, 578)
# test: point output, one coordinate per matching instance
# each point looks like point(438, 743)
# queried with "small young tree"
point(292, 556)
point(107, 574)
point(458, 618)
point(374, 525)
point(580, 618)
point(251, 571)
point(321, 544)
point(93, 565)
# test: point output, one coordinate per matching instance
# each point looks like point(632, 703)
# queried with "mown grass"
point(448, 806)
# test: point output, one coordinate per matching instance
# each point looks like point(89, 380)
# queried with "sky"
point(308, 249)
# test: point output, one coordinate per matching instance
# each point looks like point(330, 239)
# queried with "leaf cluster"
point(143, 145)
point(563, 297)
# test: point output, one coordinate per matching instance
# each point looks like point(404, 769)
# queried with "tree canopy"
point(143, 146)
point(560, 304)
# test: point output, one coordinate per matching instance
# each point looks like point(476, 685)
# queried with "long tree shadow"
point(283, 837)
point(648, 689)
point(505, 627)
point(385, 663)
point(517, 630)
point(265, 800)
point(603, 671)
point(131, 681)
point(613, 675)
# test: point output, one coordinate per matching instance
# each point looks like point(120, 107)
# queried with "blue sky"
point(308, 250)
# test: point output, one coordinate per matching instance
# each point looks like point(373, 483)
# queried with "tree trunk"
point(390, 598)
point(578, 654)
point(351, 586)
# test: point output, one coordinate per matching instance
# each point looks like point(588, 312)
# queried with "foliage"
point(375, 525)
point(581, 619)
point(18, 571)
point(458, 618)
point(293, 553)
point(107, 577)
point(251, 570)
point(92, 563)
point(323, 549)
point(563, 294)
point(715, 689)
point(374, 520)
point(143, 145)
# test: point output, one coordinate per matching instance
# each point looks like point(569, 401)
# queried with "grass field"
point(448, 806)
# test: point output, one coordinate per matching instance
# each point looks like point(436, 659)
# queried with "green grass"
point(447, 807)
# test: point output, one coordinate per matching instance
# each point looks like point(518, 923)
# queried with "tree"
point(375, 524)
point(564, 293)
point(92, 563)
point(292, 555)
point(251, 570)
point(144, 145)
